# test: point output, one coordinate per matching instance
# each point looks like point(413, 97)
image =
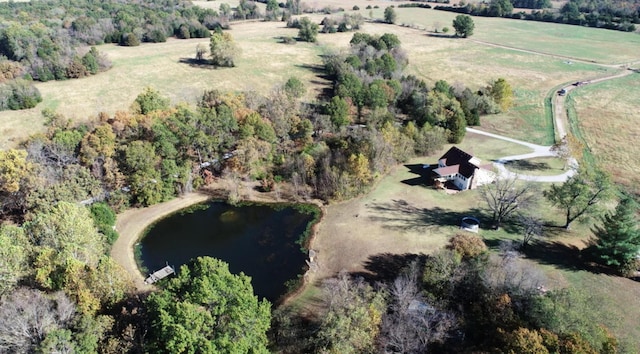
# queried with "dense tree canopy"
point(206, 309)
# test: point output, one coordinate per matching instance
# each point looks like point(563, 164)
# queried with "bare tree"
point(28, 315)
point(505, 196)
point(412, 324)
point(531, 229)
point(509, 273)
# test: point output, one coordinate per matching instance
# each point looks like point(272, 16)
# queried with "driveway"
point(538, 151)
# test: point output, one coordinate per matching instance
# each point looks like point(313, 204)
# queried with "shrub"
point(19, 94)
point(467, 245)
point(105, 219)
point(355, 8)
point(129, 40)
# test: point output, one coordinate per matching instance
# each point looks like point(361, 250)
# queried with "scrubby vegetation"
point(460, 299)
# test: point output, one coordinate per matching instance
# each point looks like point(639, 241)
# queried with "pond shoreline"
point(132, 223)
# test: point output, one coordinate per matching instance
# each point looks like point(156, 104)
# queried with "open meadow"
point(266, 63)
point(605, 115)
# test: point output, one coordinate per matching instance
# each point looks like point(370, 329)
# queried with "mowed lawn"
point(608, 120)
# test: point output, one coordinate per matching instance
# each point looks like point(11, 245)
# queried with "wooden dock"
point(160, 274)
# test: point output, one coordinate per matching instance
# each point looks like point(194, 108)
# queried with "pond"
point(259, 240)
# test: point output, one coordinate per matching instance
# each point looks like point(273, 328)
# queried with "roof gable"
point(467, 163)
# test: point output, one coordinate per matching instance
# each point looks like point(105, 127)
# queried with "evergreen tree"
point(308, 30)
point(617, 241)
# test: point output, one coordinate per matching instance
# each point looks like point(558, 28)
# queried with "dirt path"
point(559, 111)
point(130, 225)
point(578, 60)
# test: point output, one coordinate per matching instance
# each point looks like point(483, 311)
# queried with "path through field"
point(560, 118)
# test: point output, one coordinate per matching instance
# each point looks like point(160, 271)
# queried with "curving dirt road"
point(560, 118)
point(538, 151)
point(559, 111)
point(130, 225)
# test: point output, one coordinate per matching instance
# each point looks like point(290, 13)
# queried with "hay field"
point(591, 44)
point(263, 64)
point(609, 122)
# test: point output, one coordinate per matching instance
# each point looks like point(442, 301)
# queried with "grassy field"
point(607, 120)
point(264, 64)
point(540, 166)
point(402, 216)
point(591, 44)
point(432, 58)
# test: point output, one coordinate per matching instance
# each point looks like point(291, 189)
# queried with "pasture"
point(583, 43)
point(266, 63)
point(605, 116)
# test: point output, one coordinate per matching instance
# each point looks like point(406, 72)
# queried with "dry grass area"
point(608, 122)
point(264, 64)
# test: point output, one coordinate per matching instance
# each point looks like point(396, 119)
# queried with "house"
point(463, 170)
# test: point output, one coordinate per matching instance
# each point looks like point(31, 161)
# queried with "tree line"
point(600, 14)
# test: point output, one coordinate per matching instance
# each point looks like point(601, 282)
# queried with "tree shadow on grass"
point(324, 80)
point(526, 165)
point(564, 256)
point(385, 267)
point(198, 63)
point(441, 35)
point(400, 215)
point(555, 253)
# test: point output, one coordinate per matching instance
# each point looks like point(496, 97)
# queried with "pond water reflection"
point(259, 240)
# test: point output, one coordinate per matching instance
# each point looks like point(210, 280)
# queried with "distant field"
point(605, 46)
point(609, 122)
point(266, 63)
point(263, 65)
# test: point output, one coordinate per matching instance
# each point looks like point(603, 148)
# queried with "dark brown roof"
point(456, 156)
point(447, 170)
